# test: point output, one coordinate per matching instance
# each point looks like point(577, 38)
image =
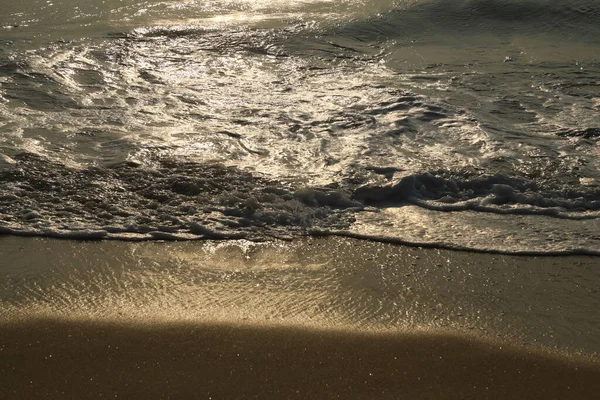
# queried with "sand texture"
point(54, 359)
point(314, 318)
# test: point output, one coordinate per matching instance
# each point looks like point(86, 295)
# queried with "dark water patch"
point(510, 109)
point(587, 133)
point(9, 68)
point(584, 86)
point(577, 20)
point(36, 90)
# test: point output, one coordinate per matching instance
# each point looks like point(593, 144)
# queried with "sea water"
point(468, 124)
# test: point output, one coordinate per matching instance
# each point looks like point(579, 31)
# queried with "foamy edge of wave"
point(180, 200)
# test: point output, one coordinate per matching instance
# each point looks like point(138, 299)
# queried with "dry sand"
point(314, 318)
point(86, 360)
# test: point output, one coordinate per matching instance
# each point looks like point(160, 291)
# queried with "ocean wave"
point(496, 193)
point(176, 200)
point(181, 200)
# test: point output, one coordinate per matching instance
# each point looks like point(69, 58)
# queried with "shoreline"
point(159, 237)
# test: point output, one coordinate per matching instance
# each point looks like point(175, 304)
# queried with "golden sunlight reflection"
point(325, 282)
point(274, 12)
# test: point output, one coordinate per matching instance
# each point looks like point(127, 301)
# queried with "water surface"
point(464, 124)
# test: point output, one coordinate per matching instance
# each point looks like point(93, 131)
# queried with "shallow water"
point(463, 124)
point(327, 283)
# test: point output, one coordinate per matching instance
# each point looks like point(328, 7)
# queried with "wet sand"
point(313, 318)
point(60, 359)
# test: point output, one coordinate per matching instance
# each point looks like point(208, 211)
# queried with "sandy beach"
point(312, 318)
point(244, 199)
point(67, 359)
